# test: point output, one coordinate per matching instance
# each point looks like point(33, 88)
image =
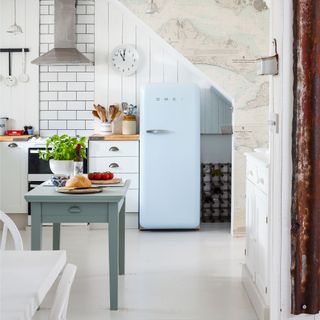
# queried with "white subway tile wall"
point(67, 92)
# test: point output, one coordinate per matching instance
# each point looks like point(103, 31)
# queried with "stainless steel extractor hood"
point(64, 51)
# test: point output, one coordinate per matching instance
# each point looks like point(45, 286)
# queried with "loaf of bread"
point(78, 182)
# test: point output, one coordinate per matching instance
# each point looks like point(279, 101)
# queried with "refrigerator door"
point(170, 157)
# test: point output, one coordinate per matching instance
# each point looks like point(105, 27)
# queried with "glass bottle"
point(78, 162)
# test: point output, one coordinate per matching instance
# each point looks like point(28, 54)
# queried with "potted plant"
point(61, 151)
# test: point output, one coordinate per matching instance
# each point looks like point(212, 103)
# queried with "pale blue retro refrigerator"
point(170, 157)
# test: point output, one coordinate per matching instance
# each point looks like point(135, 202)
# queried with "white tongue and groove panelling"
point(159, 62)
point(20, 103)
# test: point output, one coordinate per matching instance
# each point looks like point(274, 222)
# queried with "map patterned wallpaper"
point(223, 38)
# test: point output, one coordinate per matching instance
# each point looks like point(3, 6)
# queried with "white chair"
point(61, 299)
point(8, 224)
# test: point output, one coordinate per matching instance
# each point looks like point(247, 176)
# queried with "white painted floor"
point(191, 275)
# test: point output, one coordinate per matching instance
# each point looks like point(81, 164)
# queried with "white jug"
point(3, 126)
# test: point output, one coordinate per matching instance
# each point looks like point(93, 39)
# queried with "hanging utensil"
point(24, 77)
point(10, 80)
point(14, 28)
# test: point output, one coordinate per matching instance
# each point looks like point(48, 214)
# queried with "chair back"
point(9, 225)
point(61, 299)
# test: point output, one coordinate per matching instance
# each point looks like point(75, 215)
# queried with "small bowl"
point(59, 181)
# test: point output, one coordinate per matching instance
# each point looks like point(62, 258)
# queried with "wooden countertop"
point(15, 138)
point(115, 137)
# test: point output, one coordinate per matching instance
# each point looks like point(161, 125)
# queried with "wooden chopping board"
point(79, 191)
point(106, 182)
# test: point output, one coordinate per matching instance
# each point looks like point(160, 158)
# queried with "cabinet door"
point(13, 177)
point(216, 112)
point(262, 243)
point(225, 115)
point(251, 228)
point(209, 112)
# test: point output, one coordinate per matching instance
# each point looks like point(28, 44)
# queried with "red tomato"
point(109, 175)
point(104, 176)
point(91, 176)
point(97, 176)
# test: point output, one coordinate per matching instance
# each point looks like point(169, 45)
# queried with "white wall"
point(67, 92)
point(21, 102)
point(115, 26)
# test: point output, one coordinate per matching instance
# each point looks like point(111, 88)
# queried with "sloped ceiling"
point(222, 38)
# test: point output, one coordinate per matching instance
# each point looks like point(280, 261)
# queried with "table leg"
point(113, 254)
point(122, 221)
point(36, 226)
point(56, 236)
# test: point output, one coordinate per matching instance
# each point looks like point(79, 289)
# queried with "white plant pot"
point(61, 167)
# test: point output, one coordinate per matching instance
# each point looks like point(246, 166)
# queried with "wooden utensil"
point(95, 114)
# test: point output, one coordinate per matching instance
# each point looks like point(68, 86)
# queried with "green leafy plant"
point(63, 148)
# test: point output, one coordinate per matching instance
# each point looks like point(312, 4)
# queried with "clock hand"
point(122, 56)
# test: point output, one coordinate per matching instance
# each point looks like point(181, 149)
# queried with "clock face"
point(125, 59)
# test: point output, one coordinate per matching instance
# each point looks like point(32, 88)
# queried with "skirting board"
point(261, 309)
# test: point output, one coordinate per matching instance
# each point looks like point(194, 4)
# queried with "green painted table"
point(49, 206)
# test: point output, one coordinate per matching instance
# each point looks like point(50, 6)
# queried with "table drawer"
point(115, 164)
point(74, 212)
point(113, 148)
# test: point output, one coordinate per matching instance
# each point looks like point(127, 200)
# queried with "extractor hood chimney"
point(64, 51)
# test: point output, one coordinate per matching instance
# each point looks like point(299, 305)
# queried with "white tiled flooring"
point(191, 275)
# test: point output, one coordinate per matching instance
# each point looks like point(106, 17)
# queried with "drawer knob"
point(114, 149)
point(261, 180)
point(113, 165)
point(74, 209)
point(251, 173)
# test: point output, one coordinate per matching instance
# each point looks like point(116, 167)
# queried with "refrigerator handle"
point(158, 131)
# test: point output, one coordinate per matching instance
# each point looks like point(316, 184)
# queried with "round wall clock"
point(125, 59)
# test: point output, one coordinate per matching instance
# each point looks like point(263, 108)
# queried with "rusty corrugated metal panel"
point(305, 232)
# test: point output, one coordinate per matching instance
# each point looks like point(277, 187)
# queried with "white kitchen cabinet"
point(250, 229)
point(121, 158)
point(13, 176)
point(255, 270)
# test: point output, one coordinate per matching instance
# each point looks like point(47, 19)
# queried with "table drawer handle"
point(113, 165)
point(12, 145)
point(74, 209)
point(114, 149)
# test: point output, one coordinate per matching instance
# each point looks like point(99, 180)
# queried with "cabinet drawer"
point(262, 179)
point(74, 212)
point(252, 171)
point(133, 177)
point(115, 164)
point(132, 201)
point(114, 149)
